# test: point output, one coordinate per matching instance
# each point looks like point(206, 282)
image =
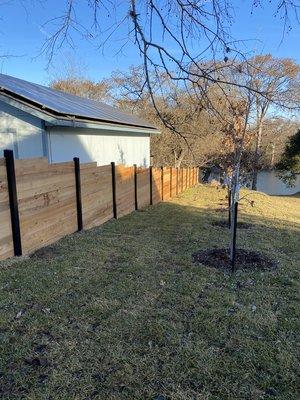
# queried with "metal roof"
point(62, 104)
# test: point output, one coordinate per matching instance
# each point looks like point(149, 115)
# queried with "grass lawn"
point(122, 312)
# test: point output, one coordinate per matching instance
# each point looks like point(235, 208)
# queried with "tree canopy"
point(289, 165)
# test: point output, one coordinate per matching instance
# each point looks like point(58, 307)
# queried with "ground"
point(122, 312)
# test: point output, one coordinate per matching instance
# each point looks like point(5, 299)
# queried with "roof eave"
point(99, 126)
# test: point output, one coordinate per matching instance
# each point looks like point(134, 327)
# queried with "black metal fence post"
point(13, 201)
point(78, 193)
point(151, 188)
point(234, 237)
point(114, 194)
point(162, 183)
point(135, 187)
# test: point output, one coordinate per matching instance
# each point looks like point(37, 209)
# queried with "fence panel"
point(180, 180)
point(47, 202)
point(143, 187)
point(96, 194)
point(166, 183)
point(173, 182)
point(6, 241)
point(187, 178)
point(156, 185)
point(125, 189)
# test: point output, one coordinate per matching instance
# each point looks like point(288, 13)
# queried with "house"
point(38, 121)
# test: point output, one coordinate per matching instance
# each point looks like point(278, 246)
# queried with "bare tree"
point(199, 139)
point(71, 78)
point(235, 108)
point(82, 87)
point(276, 79)
point(276, 133)
point(236, 135)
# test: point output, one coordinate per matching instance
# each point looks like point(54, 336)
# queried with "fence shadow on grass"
point(174, 232)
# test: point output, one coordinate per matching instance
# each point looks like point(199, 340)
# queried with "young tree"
point(289, 165)
point(236, 111)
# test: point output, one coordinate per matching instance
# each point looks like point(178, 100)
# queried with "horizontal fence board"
point(156, 185)
point(166, 183)
point(143, 187)
point(124, 190)
point(47, 201)
point(96, 217)
point(96, 191)
point(50, 233)
point(5, 226)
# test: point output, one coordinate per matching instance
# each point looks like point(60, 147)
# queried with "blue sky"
point(22, 34)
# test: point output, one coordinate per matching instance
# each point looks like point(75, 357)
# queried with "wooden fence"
point(42, 202)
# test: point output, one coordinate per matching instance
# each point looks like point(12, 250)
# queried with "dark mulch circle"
point(224, 224)
point(245, 259)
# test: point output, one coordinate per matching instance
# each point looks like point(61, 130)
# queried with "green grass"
point(121, 311)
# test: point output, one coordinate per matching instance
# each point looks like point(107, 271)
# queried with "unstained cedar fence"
point(42, 202)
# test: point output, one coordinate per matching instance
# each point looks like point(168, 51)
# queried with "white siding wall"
point(21, 132)
point(95, 145)
point(24, 134)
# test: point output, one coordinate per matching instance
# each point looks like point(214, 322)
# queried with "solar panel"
point(67, 104)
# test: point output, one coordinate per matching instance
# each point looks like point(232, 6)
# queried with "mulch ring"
point(245, 259)
point(224, 224)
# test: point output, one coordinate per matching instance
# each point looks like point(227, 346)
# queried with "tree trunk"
point(234, 196)
point(257, 155)
point(233, 229)
point(179, 160)
point(272, 156)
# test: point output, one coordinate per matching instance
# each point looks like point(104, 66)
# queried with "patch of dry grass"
point(122, 312)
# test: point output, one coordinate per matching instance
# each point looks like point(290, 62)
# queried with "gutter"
point(70, 125)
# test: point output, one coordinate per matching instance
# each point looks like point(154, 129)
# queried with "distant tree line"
point(205, 142)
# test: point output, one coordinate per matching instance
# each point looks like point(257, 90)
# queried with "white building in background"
point(37, 121)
